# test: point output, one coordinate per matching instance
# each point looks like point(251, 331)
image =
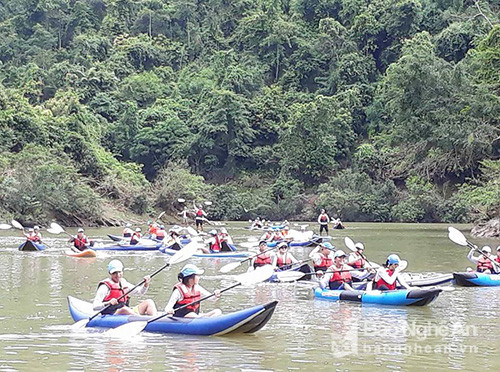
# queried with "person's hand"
point(147, 280)
point(217, 293)
point(319, 273)
point(170, 312)
point(113, 301)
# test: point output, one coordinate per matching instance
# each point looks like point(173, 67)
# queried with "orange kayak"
point(85, 253)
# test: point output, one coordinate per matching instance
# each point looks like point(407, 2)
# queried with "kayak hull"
point(31, 246)
point(399, 297)
point(475, 279)
point(128, 247)
point(236, 254)
point(118, 238)
point(88, 253)
point(244, 321)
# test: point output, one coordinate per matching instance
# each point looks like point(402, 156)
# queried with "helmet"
point(162, 227)
point(393, 259)
point(114, 266)
point(80, 230)
point(213, 232)
point(486, 249)
point(138, 229)
point(36, 228)
point(327, 245)
point(31, 229)
point(282, 245)
point(340, 253)
point(191, 269)
point(359, 245)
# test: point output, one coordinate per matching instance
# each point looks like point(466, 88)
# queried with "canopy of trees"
point(378, 110)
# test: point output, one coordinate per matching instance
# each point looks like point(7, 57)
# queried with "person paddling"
point(357, 261)
point(265, 258)
point(160, 233)
point(338, 275)
point(187, 291)
point(152, 229)
point(34, 235)
point(80, 241)
point(136, 236)
point(225, 240)
point(484, 261)
point(112, 288)
point(172, 240)
point(389, 275)
point(322, 257)
point(127, 231)
point(284, 259)
point(323, 220)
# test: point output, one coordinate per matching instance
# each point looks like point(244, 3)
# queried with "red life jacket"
point(339, 276)
point(323, 218)
point(382, 282)
point(497, 259)
point(153, 229)
point(115, 291)
point(33, 237)
point(326, 262)
point(215, 246)
point(188, 296)
point(135, 238)
point(358, 264)
point(199, 213)
point(262, 259)
point(280, 262)
point(80, 244)
point(160, 234)
point(484, 264)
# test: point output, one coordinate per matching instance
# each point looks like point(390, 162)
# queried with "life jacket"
point(127, 233)
point(199, 213)
point(34, 237)
point(323, 218)
point(153, 229)
point(341, 276)
point(282, 264)
point(80, 244)
point(262, 259)
point(215, 246)
point(381, 282)
point(134, 239)
point(484, 264)
point(115, 291)
point(326, 262)
point(223, 237)
point(497, 259)
point(358, 264)
point(160, 234)
point(188, 296)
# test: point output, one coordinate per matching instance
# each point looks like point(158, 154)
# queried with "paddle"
point(457, 237)
point(180, 256)
point(247, 279)
point(233, 265)
point(5, 226)
point(160, 216)
point(180, 200)
point(17, 225)
point(350, 244)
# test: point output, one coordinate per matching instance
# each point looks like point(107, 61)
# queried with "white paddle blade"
point(208, 202)
point(5, 226)
point(160, 215)
point(289, 276)
point(403, 264)
point(127, 330)
point(456, 236)
point(185, 253)
point(258, 275)
point(80, 324)
point(191, 231)
point(350, 244)
point(229, 267)
point(17, 225)
point(55, 228)
point(180, 200)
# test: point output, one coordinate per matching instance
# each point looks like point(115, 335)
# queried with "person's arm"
point(325, 279)
point(328, 219)
point(312, 254)
point(139, 291)
point(402, 281)
point(319, 219)
point(98, 304)
point(471, 257)
point(389, 279)
point(174, 298)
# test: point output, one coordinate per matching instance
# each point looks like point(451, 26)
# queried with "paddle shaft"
point(130, 290)
point(493, 262)
point(194, 302)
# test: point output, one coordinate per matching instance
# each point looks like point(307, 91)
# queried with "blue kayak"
point(128, 247)
point(209, 255)
point(313, 241)
point(244, 321)
point(118, 238)
point(398, 297)
point(475, 279)
point(31, 246)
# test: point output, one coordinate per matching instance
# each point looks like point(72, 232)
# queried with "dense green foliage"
point(378, 110)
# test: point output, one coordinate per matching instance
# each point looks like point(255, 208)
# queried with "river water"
point(460, 330)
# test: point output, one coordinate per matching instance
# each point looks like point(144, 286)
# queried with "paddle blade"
point(229, 267)
point(208, 202)
point(350, 244)
point(80, 324)
point(403, 264)
point(180, 200)
point(191, 231)
point(55, 228)
point(17, 225)
point(127, 330)
point(289, 276)
point(456, 236)
point(160, 215)
point(258, 275)
point(5, 226)
point(186, 252)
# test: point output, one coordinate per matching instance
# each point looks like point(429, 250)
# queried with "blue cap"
point(191, 269)
point(393, 259)
point(328, 245)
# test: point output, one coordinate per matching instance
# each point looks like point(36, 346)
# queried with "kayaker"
point(34, 234)
point(136, 236)
point(127, 231)
point(338, 275)
point(152, 229)
point(172, 240)
point(214, 243)
point(267, 258)
point(160, 233)
point(112, 288)
point(256, 224)
point(225, 240)
point(80, 241)
point(357, 261)
point(387, 276)
point(185, 215)
point(199, 216)
point(322, 257)
point(323, 220)
point(485, 261)
point(188, 291)
point(284, 259)
point(337, 223)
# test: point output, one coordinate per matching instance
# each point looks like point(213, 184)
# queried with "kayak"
point(209, 255)
point(398, 297)
point(31, 246)
point(427, 280)
point(118, 238)
point(475, 279)
point(304, 268)
point(82, 254)
point(313, 241)
point(128, 247)
point(244, 321)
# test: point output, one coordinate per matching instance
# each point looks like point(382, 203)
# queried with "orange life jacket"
point(188, 296)
point(382, 282)
point(115, 291)
point(287, 261)
point(262, 259)
point(484, 264)
point(326, 262)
